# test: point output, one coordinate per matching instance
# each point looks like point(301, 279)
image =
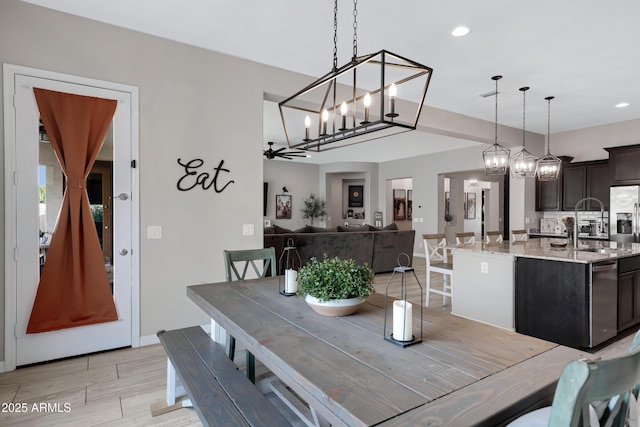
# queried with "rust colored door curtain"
point(74, 287)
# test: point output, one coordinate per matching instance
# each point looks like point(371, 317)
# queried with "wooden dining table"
point(463, 372)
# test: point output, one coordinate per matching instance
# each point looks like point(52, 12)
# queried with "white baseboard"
point(2, 366)
point(153, 339)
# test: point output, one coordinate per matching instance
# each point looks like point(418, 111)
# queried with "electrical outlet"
point(484, 267)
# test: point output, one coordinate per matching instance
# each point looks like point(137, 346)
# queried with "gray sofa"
point(379, 248)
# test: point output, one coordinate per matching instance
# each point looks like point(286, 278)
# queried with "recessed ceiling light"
point(622, 105)
point(460, 31)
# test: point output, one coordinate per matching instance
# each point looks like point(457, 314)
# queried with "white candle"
point(402, 320)
point(393, 93)
point(290, 281)
point(367, 104)
point(325, 119)
point(307, 125)
point(344, 109)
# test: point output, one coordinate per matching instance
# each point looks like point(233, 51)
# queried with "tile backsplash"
point(551, 219)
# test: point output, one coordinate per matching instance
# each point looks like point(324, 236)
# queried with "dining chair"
point(598, 392)
point(465, 237)
point(493, 236)
point(519, 235)
point(435, 246)
point(236, 264)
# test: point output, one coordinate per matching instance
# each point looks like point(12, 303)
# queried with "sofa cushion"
point(269, 230)
point(372, 228)
point(281, 230)
point(392, 226)
point(351, 229)
point(322, 229)
point(357, 246)
point(305, 229)
point(388, 245)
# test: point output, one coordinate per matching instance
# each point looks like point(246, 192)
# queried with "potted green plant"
point(314, 207)
point(334, 286)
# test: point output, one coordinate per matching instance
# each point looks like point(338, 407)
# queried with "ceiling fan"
point(272, 154)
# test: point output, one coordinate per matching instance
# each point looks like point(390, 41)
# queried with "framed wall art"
point(469, 205)
point(283, 206)
point(356, 199)
point(399, 205)
point(409, 205)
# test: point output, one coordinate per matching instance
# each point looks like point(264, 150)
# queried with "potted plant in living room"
point(314, 207)
point(334, 286)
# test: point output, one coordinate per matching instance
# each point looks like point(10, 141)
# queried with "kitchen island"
point(572, 296)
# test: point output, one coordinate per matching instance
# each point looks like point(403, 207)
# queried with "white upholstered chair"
point(465, 237)
point(435, 246)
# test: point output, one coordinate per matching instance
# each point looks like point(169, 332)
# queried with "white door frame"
point(10, 176)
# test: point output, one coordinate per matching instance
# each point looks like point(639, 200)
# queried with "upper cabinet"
point(576, 181)
point(585, 179)
point(624, 165)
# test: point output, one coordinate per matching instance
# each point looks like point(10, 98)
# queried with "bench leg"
point(174, 389)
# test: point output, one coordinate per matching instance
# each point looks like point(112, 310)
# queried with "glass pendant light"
point(496, 157)
point(549, 165)
point(523, 164)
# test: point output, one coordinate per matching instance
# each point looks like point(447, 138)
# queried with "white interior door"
point(31, 348)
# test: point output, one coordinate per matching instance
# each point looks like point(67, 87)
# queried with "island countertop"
point(588, 251)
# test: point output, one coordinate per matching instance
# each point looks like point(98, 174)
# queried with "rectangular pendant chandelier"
point(371, 97)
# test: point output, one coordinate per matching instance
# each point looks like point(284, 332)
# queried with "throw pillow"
point(305, 229)
point(392, 226)
point(281, 230)
point(269, 230)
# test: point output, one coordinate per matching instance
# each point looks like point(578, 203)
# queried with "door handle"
point(123, 251)
point(122, 196)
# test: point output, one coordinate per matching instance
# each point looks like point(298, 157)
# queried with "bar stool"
point(465, 237)
point(435, 247)
point(519, 235)
point(493, 237)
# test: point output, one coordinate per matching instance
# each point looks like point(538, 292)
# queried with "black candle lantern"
point(289, 263)
point(403, 333)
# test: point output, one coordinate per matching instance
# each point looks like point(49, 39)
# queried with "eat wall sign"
point(196, 175)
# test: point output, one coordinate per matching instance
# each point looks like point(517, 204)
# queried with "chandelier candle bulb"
point(402, 317)
point(344, 109)
point(367, 103)
point(307, 125)
point(325, 119)
point(393, 93)
point(291, 281)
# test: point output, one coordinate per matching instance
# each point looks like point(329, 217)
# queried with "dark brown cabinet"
point(625, 165)
point(549, 193)
point(585, 179)
point(628, 292)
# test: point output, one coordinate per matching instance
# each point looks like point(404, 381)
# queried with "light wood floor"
point(117, 388)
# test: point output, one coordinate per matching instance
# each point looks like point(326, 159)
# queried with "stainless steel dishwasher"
point(604, 302)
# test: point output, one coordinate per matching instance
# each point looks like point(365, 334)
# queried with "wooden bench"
point(219, 392)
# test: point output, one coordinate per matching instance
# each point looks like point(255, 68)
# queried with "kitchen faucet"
point(575, 217)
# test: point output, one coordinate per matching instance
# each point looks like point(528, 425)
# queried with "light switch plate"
point(247, 229)
point(154, 232)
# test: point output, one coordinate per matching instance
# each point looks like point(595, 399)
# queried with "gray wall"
point(300, 179)
point(193, 104)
